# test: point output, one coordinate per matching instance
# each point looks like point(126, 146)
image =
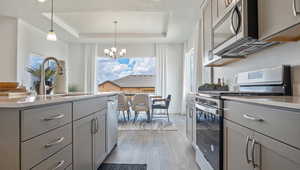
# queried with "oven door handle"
point(208, 109)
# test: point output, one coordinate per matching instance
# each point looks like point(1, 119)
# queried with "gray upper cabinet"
point(99, 140)
point(219, 9)
point(215, 12)
point(207, 30)
point(83, 143)
point(236, 147)
point(276, 16)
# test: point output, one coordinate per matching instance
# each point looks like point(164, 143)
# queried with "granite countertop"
point(29, 101)
point(291, 102)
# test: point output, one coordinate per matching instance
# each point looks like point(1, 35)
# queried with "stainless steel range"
point(209, 110)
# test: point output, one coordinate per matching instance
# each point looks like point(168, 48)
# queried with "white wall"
point(76, 66)
point(33, 40)
point(288, 53)
point(174, 76)
point(82, 65)
point(8, 49)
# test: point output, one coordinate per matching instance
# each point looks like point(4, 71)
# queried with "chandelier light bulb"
point(114, 49)
point(106, 51)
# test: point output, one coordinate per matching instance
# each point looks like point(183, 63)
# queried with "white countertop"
point(292, 102)
point(30, 101)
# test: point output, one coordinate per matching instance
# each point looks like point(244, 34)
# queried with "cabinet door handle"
point(56, 142)
point(251, 117)
point(97, 125)
point(93, 130)
point(247, 149)
point(295, 8)
point(253, 154)
point(55, 117)
point(59, 164)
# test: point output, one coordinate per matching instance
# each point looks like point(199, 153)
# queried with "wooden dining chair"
point(140, 103)
point(123, 106)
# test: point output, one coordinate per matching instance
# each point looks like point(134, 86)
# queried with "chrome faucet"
point(59, 71)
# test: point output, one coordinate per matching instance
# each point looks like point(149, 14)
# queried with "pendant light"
point(51, 34)
point(113, 51)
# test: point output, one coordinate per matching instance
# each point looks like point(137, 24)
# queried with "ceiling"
point(169, 21)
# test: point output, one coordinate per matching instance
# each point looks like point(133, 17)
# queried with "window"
point(34, 63)
point(126, 74)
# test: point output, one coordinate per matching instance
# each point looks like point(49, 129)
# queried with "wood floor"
point(167, 150)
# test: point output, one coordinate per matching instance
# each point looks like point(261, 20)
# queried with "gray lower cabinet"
point(273, 155)
point(59, 161)
point(99, 139)
point(59, 136)
point(83, 143)
point(112, 124)
point(189, 119)
point(249, 146)
point(90, 141)
point(235, 147)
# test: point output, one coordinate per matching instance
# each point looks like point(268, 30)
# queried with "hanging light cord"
point(52, 16)
point(116, 22)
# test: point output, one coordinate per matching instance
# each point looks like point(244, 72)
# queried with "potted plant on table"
point(50, 74)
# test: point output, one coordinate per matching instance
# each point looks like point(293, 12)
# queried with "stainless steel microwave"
point(236, 34)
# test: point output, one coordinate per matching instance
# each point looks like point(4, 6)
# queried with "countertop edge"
point(42, 102)
point(278, 104)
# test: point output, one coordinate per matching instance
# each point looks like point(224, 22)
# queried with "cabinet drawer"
point(69, 167)
point(41, 147)
point(279, 124)
point(39, 120)
point(85, 107)
point(59, 161)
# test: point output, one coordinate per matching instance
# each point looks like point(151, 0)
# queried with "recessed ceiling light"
point(41, 1)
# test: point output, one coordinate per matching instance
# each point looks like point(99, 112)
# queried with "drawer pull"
point(58, 141)
point(59, 116)
point(250, 117)
point(247, 149)
point(253, 154)
point(59, 164)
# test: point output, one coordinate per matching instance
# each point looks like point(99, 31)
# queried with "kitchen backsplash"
point(288, 53)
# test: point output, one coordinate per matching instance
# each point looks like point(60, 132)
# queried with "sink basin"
point(69, 95)
point(76, 94)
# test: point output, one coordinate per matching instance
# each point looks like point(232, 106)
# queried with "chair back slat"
point(168, 101)
point(140, 100)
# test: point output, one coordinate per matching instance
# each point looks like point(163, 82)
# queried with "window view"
point(131, 75)
point(34, 71)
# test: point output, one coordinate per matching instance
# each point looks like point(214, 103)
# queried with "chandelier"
point(113, 52)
